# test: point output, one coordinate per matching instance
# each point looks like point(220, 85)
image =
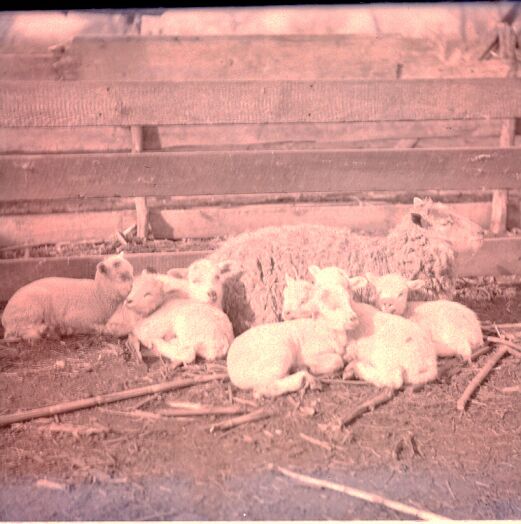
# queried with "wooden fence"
point(265, 115)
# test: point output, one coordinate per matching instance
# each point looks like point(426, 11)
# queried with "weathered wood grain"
point(18, 272)
point(101, 138)
point(37, 104)
point(215, 221)
point(21, 66)
point(262, 57)
point(240, 172)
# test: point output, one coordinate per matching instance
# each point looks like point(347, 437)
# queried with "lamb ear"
point(370, 277)
point(102, 268)
point(226, 266)
point(415, 284)
point(417, 202)
point(357, 283)
point(177, 272)
point(121, 254)
point(314, 270)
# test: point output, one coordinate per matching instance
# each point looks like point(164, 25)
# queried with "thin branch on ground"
point(316, 441)
point(75, 430)
point(360, 494)
point(136, 413)
point(511, 389)
point(203, 410)
point(513, 349)
point(480, 351)
point(243, 419)
point(74, 405)
point(386, 395)
point(478, 379)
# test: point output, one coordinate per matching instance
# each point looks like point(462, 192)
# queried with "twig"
point(243, 419)
point(204, 410)
point(316, 442)
point(502, 326)
point(49, 484)
point(344, 381)
point(514, 349)
point(137, 413)
point(476, 381)
point(245, 401)
point(369, 405)
point(479, 352)
point(183, 405)
point(65, 407)
point(75, 430)
point(511, 389)
point(360, 494)
point(121, 239)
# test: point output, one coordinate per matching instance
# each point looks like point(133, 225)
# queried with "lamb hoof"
point(134, 346)
point(349, 372)
point(310, 382)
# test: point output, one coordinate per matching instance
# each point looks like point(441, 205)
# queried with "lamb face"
point(392, 291)
point(461, 233)
point(117, 272)
point(147, 294)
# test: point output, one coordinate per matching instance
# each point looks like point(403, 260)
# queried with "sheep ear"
point(226, 266)
point(357, 283)
point(370, 277)
point(177, 272)
point(415, 284)
point(314, 270)
point(121, 254)
point(416, 219)
point(102, 268)
point(417, 202)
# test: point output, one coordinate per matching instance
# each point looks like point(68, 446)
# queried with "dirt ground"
point(120, 462)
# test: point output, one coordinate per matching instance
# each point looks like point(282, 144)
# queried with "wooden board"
point(255, 57)
point(238, 172)
point(16, 273)
point(207, 222)
point(101, 138)
point(18, 66)
point(41, 104)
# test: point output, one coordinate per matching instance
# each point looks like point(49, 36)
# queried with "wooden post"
point(136, 133)
point(507, 51)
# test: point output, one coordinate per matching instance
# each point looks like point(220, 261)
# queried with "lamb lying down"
point(455, 327)
point(201, 281)
point(385, 350)
point(181, 328)
point(65, 306)
point(272, 359)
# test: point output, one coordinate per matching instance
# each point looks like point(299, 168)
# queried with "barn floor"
point(417, 449)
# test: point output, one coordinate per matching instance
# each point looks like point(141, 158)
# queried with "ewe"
point(64, 306)
point(454, 327)
point(271, 359)
point(422, 245)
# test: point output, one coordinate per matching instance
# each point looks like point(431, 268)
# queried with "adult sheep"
point(422, 245)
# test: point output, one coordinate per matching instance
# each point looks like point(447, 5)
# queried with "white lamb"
point(201, 281)
point(271, 359)
point(385, 349)
point(455, 327)
point(66, 306)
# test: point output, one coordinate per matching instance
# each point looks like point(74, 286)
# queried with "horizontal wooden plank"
point(215, 221)
point(107, 139)
point(277, 57)
point(498, 256)
point(18, 66)
point(16, 273)
point(41, 104)
point(245, 172)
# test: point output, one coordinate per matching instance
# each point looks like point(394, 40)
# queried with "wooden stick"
point(360, 494)
point(316, 441)
point(369, 405)
point(476, 381)
point(74, 405)
point(514, 349)
point(243, 419)
point(479, 352)
point(205, 410)
point(512, 325)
